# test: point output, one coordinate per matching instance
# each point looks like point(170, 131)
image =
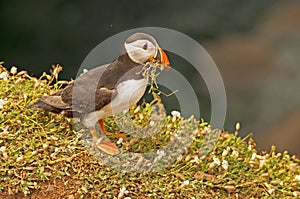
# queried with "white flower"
point(13, 70)
point(85, 70)
point(175, 113)
point(122, 192)
point(253, 156)
point(216, 161)
point(196, 159)
point(270, 191)
point(225, 164)
point(295, 193)
point(186, 182)
point(120, 141)
point(2, 149)
point(45, 146)
point(297, 178)
point(235, 153)
point(226, 151)
point(281, 183)
point(20, 159)
point(2, 103)
point(152, 123)
point(160, 152)
point(262, 162)
point(4, 75)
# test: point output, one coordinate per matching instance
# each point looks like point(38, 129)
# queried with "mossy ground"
point(42, 156)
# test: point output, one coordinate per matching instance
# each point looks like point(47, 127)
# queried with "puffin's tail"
point(40, 105)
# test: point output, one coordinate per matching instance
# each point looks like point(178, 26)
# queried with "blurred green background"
point(255, 44)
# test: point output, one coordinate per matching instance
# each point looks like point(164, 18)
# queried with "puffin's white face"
point(141, 50)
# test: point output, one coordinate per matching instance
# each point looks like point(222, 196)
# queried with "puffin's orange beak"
point(164, 58)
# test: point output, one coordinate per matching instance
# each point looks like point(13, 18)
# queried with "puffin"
point(108, 89)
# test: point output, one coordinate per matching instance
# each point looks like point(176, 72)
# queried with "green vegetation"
point(42, 155)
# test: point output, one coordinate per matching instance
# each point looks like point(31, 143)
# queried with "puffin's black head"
point(143, 48)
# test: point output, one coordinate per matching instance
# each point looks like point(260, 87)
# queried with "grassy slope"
point(42, 156)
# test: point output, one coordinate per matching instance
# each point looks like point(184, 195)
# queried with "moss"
point(43, 155)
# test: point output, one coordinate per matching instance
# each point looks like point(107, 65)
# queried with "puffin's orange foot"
point(104, 132)
point(107, 146)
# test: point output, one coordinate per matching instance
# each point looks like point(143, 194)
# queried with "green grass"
point(43, 155)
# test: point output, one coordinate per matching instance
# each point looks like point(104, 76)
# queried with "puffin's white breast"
point(128, 93)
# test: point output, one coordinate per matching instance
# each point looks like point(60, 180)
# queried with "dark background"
point(254, 43)
point(36, 34)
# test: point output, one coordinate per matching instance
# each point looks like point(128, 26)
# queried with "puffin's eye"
point(145, 46)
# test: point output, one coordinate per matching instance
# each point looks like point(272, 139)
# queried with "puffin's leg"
point(102, 128)
point(104, 144)
point(104, 132)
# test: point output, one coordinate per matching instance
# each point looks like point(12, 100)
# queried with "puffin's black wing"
point(97, 87)
point(86, 94)
point(92, 90)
